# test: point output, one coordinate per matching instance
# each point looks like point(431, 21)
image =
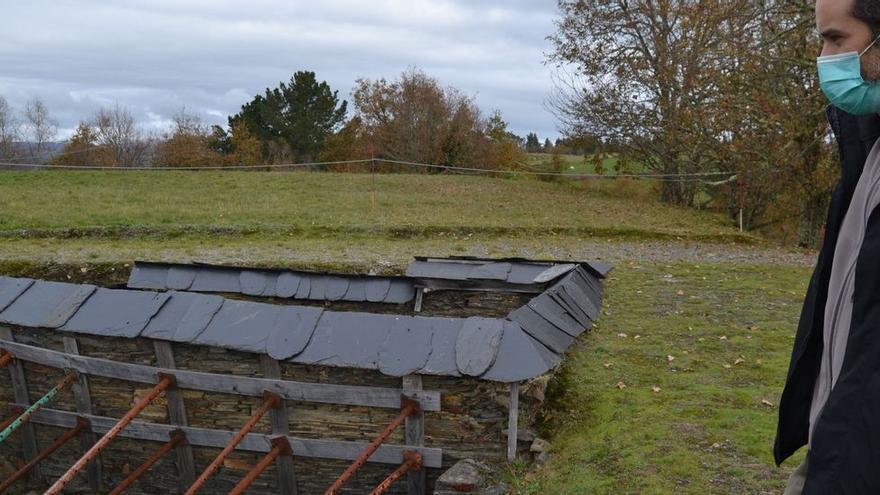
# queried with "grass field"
point(577, 164)
point(727, 327)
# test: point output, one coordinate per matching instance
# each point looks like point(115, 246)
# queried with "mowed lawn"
point(714, 339)
point(676, 390)
point(121, 204)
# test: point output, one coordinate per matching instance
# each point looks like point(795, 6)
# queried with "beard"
point(871, 65)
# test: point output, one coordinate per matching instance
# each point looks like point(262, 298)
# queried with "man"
point(831, 400)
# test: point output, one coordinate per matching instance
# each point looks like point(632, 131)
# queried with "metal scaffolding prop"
point(270, 401)
point(408, 408)
point(16, 412)
point(5, 358)
point(81, 425)
point(44, 400)
point(164, 382)
point(177, 438)
point(412, 461)
point(280, 446)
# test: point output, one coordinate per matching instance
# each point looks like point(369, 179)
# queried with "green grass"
point(705, 431)
point(578, 164)
point(729, 330)
point(238, 204)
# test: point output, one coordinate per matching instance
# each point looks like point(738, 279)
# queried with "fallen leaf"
point(670, 358)
point(607, 365)
point(739, 360)
point(680, 292)
point(766, 402)
point(723, 337)
point(727, 366)
point(655, 388)
point(637, 337)
point(621, 385)
point(622, 335)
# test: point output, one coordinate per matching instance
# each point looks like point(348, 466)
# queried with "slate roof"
point(269, 282)
point(527, 343)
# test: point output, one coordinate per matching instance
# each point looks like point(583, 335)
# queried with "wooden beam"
point(414, 428)
point(420, 295)
point(512, 421)
point(228, 384)
point(83, 399)
point(253, 442)
point(20, 391)
point(279, 418)
point(186, 467)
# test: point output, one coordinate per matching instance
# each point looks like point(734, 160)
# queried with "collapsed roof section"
point(527, 343)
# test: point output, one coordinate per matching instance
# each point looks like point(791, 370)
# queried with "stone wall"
point(470, 425)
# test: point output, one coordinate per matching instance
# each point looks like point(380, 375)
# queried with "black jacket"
point(845, 453)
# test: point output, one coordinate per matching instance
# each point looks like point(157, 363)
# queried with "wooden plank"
point(414, 426)
point(512, 421)
point(253, 442)
point(83, 398)
point(420, 295)
point(278, 417)
point(229, 384)
point(186, 467)
point(20, 390)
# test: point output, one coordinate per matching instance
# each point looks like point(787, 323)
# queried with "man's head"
point(851, 26)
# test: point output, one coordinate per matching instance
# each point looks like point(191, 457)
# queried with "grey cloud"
point(212, 56)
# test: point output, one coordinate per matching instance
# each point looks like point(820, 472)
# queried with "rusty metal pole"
point(270, 401)
point(409, 407)
point(280, 446)
point(412, 461)
point(81, 424)
point(177, 438)
point(5, 358)
point(39, 404)
point(165, 382)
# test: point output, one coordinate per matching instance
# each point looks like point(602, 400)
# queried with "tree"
point(40, 129)
point(9, 131)
point(187, 145)
point(646, 74)
point(532, 143)
point(82, 149)
point(548, 146)
point(118, 134)
point(293, 119)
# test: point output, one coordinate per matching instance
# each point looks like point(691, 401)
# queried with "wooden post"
point(420, 294)
point(19, 386)
point(83, 399)
point(415, 435)
point(186, 467)
point(278, 417)
point(513, 421)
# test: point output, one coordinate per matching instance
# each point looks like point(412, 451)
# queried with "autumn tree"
point(293, 119)
point(646, 75)
point(82, 149)
point(238, 146)
point(533, 145)
point(188, 144)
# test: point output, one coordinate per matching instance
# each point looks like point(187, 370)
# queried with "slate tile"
point(407, 346)
point(305, 287)
point(253, 282)
point(582, 299)
point(46, 304)
point(240, 325)
point(452, 270)
point(116, 313)
point(490, 271)
point(477, 345)
point(147, 276)
point(377, 289)
point(287, 284)
point(525, 273)
point(293, 330)
point(181, 277)
point(542, 330)
point(212, 279)
point(357, 290)
point(347, 339)
point(11, 288)
point(554, 272)
point(335, 288)
point(553, 312)
point(401, 291)
point(519, 357)
point(318, 291)
point(442, 358)
point(183, 317)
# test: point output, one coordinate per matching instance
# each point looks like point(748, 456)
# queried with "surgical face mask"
point(840, 77)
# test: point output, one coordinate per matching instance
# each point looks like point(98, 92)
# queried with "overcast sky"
point(214, 55)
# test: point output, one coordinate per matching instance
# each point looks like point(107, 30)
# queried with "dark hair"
point(868, 11)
